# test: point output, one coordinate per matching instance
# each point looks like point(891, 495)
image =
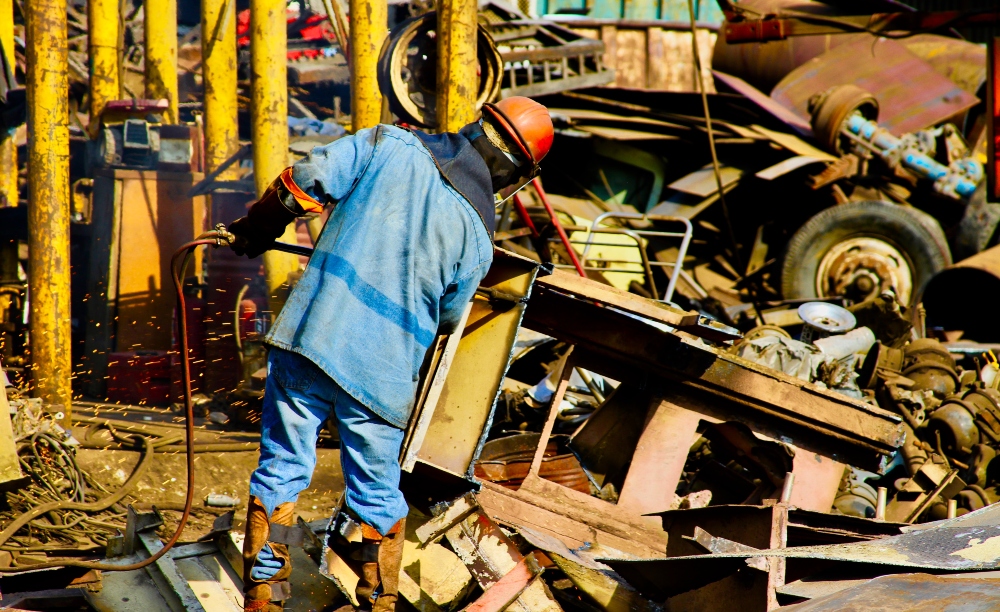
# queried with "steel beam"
point(48, 200)
point(218, 67)
point(269, 125)
point(103, 19)
point(369, 27)
point(8, 148)
point(457, 82)
point(161, 52)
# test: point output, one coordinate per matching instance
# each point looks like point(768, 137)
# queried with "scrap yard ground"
point(737, 347)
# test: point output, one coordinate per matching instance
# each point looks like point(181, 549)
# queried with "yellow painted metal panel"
point(161, 52)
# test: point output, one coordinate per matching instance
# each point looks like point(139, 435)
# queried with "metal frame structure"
point(638, 236)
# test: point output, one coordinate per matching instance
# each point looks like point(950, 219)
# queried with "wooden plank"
point(656, 62)
point(630, 63)
point(610, 37)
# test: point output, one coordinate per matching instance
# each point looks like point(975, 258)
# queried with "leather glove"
point(280, 205)
point(251, 240)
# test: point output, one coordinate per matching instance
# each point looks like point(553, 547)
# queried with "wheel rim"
point(860, 267)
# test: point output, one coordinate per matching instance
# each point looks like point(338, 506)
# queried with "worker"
point(408, 240)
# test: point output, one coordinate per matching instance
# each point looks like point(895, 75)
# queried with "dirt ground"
point(227, 473)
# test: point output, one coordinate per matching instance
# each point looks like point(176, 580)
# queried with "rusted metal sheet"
point(917, 592)
point(911, 94)
point(765, 102)
point(506, 461)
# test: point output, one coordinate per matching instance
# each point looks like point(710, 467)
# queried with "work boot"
point(376, 559)
point(278, 533)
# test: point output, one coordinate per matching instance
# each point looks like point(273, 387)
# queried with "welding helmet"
point(523, 123)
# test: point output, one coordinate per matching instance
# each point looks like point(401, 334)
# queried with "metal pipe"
point(269, 126)
point(457, 83)
point(8, 148)
point(369, 27)
point(103, 20)
point(48, 201)
point(537, 183)
point(786, 489)
point(880, 500)
point(218, 68)
point(160, 23)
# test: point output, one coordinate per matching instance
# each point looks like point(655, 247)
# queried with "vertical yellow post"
point(457, 83)
point(218, 68)
point(8, 148)
point(48, 200)
point(269, 124)
point(161, 52)
point(369, 27)
point(102, 18)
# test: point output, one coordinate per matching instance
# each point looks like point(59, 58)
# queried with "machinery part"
point(888, 248)
point(856, 497)
point(915, 152)
point(955, 422)
point(407, 70)
point(979, 463)
point(823, 319)
point(929, 364)
point(879, 358)
point(963, 297)
point(986, 403)
point(830, 109)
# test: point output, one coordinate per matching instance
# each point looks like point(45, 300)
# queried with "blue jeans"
point(298, 399)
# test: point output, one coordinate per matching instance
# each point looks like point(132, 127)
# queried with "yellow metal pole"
point(103, 19)
point(8, 148)
point(457, 83)
point(218, 66)
point(369, 27)
point(48, 200)
point(269, 125)
point(161, 52)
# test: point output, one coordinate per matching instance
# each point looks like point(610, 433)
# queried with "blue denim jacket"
point(398, 260)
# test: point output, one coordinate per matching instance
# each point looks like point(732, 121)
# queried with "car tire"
point(913, 234)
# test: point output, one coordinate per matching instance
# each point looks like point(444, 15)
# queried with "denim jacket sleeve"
point(456, 296)
point(330, 172)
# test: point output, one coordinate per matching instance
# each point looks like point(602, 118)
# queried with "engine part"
point(879, 358)
point(856, 497)
point(855, 342)
point(830, 109)
point(929, 364)
point(955, 422)
point(823, 319)
point(986, 403)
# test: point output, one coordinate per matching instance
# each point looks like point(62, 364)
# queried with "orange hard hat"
point(525, 122)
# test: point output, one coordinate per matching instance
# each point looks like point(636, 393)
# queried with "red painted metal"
point(537, 184)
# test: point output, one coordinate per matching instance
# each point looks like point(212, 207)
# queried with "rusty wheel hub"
point(861, 267)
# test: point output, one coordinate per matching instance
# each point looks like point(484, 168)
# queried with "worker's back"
point(401, 255)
